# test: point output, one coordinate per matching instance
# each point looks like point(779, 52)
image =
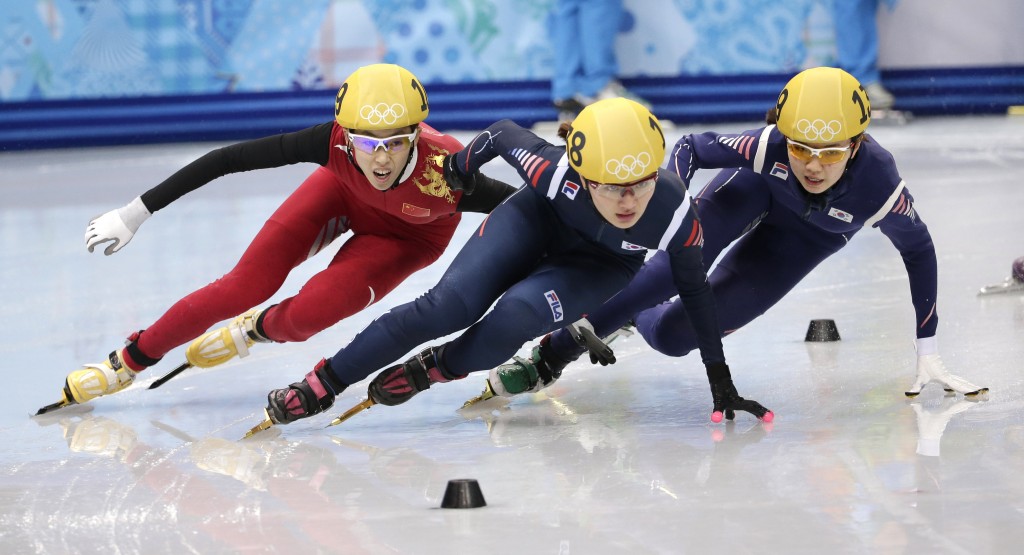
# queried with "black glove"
point(400, 383)
point(457, 180)
point(313, 395)
point(600, 352)
point(727, 400)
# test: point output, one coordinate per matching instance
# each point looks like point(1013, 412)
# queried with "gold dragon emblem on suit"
point(432, 181)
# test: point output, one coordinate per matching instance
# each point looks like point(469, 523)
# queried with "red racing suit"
point(394, 233)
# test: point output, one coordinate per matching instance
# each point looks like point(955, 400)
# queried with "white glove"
point(930, 368)
point(930, 425)
point(117, 226)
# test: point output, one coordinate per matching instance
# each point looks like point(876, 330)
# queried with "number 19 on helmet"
point(380, 96)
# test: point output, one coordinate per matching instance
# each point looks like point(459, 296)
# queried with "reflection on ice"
point(931, 422)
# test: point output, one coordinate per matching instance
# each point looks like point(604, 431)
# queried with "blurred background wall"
point(93, 72)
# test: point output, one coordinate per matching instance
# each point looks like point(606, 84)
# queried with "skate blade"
point(487, 393)
point(161, 381)
point(1008, 286)
point(369, 402)
point(624, 331)
point(265, 425)
point(485, 410)
point(952, 392)
point(54, 406)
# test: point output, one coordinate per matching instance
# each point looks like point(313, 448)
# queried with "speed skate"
point(1012, 284)
point(1009, 285)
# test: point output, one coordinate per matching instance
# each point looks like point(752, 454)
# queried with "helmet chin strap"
point(853, 153)
point(410, 163)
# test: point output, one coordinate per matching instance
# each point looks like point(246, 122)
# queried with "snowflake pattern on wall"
point(55, 49)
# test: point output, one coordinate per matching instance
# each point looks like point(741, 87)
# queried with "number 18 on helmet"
point(615, 141)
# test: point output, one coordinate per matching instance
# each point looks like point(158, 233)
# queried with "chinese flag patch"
point(416, 211)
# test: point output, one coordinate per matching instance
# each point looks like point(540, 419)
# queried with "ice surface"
point(620, 459)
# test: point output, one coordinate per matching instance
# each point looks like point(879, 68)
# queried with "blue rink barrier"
point(683, 100)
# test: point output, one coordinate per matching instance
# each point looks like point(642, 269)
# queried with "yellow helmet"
point(380, 96)
point(615, 141)
point(823, 105)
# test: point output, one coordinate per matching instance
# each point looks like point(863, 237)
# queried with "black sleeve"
point(699, 301)
point(488, 194)
point(308, 145)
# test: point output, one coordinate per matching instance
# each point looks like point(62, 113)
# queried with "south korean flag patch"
point(840, 215)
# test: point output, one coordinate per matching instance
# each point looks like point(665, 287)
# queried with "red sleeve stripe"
point(745, 146)
point(899, 205)
point(740, 143)
point(531, 164)
point(696, 235)
point(534, 177)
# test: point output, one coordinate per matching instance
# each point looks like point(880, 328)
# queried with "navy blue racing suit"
point(781, 234)
point(547, 256)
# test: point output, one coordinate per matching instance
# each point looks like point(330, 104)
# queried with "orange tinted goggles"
point(829, 155)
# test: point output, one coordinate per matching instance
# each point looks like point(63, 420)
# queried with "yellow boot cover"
point(222, 344)
point(98, 379)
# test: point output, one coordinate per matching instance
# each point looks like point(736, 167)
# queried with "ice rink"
point(621, 459)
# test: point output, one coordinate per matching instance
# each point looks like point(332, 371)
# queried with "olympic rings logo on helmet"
point(382, 113)
point(819, 130)
point(629, 166)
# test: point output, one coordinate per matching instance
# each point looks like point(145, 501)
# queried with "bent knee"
point(672, 348)
point(668, 340)
point(519, 318)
